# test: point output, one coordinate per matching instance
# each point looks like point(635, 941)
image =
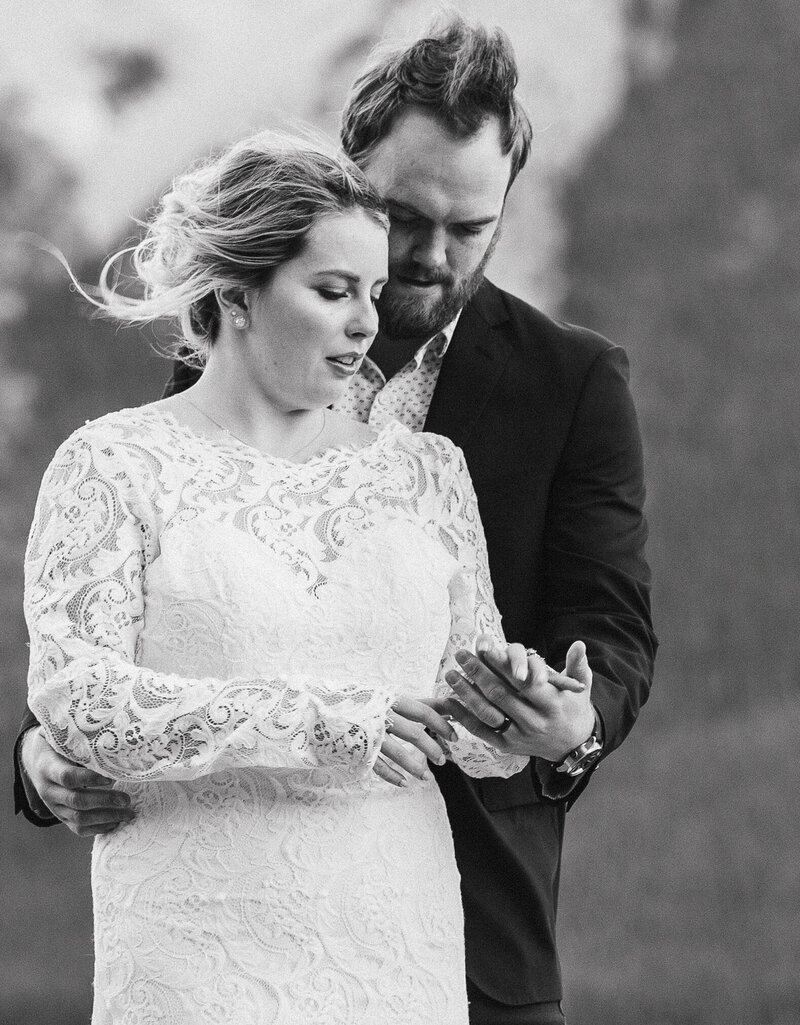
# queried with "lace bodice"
point(134, 498)
point(223, 634)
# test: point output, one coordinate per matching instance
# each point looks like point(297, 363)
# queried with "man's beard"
point(412, 317)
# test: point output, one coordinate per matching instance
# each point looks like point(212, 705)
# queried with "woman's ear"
point(234, 305)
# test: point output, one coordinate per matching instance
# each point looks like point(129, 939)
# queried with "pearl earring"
point(239, 320)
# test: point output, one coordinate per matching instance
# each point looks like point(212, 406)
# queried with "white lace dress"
point(223, 634)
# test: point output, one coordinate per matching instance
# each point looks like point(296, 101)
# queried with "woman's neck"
point(230, 400)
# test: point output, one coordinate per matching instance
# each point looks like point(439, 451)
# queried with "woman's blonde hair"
point(228, 222)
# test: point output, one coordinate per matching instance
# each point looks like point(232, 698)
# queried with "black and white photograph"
point(400, 512)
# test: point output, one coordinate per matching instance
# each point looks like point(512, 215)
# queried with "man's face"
point(445, 196)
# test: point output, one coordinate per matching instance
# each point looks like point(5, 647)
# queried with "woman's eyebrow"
point(347, 275)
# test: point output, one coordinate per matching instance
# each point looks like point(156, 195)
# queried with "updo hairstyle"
point(229, 222)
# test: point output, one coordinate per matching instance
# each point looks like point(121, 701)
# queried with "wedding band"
point(388, 723)
point(532, 651)
point(507, 720)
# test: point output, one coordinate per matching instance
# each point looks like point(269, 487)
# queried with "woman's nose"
point(364, 322)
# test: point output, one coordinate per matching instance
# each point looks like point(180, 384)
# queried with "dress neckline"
point(233, 443)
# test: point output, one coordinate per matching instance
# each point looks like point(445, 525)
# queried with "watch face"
point(582, 758)
point(586, 760)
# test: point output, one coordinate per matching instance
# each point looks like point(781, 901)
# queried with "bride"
point(238, 602)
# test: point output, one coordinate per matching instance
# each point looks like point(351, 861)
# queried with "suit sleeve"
point(26, 800)
point(597, 581)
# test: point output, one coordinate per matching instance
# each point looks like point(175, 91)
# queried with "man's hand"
point(550, 713)
point(82, 799)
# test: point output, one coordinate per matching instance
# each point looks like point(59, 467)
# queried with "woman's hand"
point(413, 732)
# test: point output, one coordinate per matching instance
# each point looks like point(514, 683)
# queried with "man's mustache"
point(426, 278)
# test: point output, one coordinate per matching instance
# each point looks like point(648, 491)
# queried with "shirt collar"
point(441, 339)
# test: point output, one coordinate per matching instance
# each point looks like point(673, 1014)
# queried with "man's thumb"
point(577, 665)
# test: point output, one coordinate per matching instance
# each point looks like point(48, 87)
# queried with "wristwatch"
point(585, 755)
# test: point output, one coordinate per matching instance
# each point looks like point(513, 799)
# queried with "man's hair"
point(463, 74)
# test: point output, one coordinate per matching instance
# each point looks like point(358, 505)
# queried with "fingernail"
point(482, 646)
point(463, 657)
point(401, 783)
point(521, 673)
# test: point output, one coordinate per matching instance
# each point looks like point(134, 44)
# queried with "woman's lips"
point(347, 364)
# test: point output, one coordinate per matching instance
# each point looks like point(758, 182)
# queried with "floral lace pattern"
point(223, 634)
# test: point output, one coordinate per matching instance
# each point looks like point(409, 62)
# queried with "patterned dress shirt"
point(406, 396)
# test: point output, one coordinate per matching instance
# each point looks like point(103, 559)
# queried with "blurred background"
point(662, 208)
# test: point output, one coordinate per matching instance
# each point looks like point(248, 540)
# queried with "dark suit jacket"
point(544, 416)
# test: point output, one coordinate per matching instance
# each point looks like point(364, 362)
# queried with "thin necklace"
point(216, 423)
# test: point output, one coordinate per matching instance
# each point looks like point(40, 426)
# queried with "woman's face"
point(312, 323)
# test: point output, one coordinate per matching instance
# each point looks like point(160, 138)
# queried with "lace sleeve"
point(472, 609)
point(93, 536)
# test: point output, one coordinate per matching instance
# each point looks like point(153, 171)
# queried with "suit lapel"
point(472, 368)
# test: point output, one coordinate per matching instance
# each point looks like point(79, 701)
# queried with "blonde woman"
point(238, 602)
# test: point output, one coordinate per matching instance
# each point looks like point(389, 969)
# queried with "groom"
point(544, 416)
